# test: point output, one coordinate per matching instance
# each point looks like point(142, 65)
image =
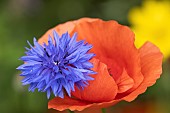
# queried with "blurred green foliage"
point(21, 20)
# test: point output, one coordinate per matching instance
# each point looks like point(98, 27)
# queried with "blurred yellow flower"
point(151, 22)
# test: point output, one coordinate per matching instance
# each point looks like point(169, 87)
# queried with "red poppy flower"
point(123, 71)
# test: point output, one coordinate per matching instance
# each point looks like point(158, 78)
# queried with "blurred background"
point(21, 20)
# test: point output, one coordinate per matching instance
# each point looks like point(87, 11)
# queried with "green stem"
point(103, 110)
point(70, 111)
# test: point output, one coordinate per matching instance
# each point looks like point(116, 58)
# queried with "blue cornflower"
point(58, 66)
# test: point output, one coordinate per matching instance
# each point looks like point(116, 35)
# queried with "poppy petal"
point(102, 89)
point(151, 65)
point(66, 103)
point(113, 41)
point(124, 82)
point(76, 104)
point(60, 29)
point(63, 28)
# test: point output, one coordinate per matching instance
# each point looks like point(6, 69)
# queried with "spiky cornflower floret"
point(58, 66)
